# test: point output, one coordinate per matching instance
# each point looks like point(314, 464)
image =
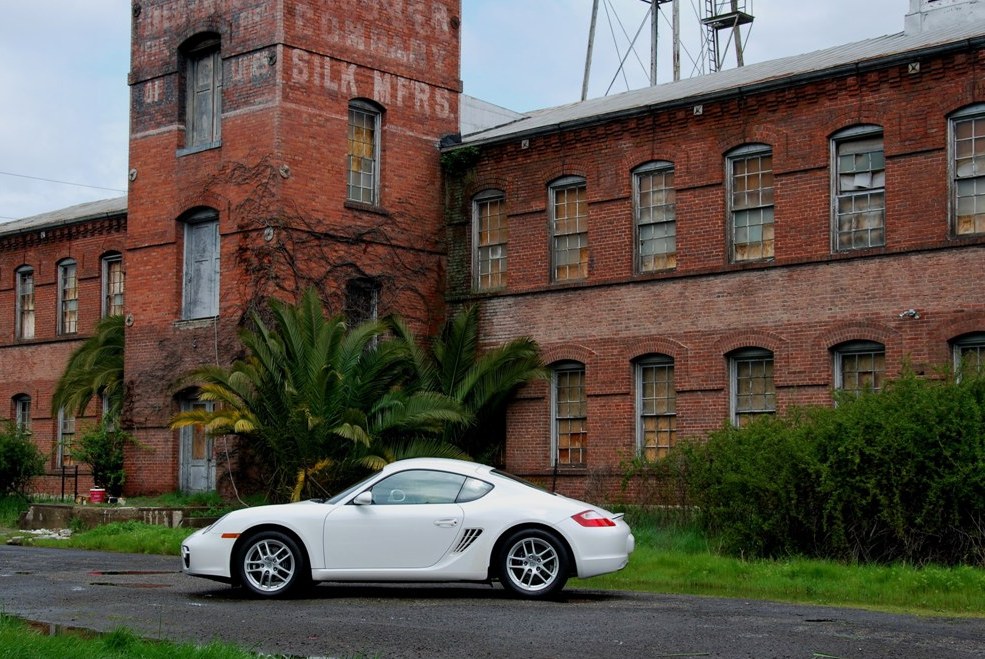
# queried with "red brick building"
point(687, 255)
point(709, 250)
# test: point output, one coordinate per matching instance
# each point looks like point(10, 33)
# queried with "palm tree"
point(316, 401)
point(94, 369)
point(482, 382)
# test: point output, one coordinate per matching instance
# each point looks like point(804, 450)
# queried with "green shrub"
point(897, 475)
point(101, 447)
point(20, 460)
point(756, 488)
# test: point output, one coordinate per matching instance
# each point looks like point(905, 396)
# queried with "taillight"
point(592, 518)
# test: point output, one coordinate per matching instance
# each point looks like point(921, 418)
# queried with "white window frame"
point(737, 362)
point(490, 253)
point(858, 188)
point(66, 436)
point(660, 408)
point(68, 297)
point(967, 177)
point(22, 411)
point(746, 204)
point(201, 270)
point(561, 414)
point(24, 312)
point(203, 95)
point(567, 240)
point(655, 214)
point(113, 285)
point(962, 350)
point(851, 352)
point(362, 170)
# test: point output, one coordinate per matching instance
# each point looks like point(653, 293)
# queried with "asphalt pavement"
point(102, 591)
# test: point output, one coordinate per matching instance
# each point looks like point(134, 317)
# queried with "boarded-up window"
point(203, 96)
point(751, 203)
point(364, 153)
point(753, 391)
point(657, 405)
point(860, 366)
point(201, 270)
point(68, 297)
point(968, 170)
point(491, 235)
point(25, 303)
point(860, 188)
point(569, 229)
point(570, 415)
point(656, 226)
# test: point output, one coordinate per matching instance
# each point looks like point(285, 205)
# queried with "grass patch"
point(18, 639)
point(126, 538)
point(677, 558)
point(11, 507)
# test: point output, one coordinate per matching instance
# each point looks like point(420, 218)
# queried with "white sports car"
point(425, 519)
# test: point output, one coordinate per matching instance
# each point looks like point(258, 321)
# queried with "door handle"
point(446, 522)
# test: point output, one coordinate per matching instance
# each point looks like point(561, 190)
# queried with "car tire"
point(270, 564)
point(533, 564)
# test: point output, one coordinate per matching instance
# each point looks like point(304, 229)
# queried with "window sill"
point(368, 208)
point(195, 323)
point(188, 150)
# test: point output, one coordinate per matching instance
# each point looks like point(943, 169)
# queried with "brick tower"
point(275, 146)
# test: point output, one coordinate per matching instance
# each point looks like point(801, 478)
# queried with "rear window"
point(517, 479)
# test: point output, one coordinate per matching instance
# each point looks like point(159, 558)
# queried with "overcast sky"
point(64, 98)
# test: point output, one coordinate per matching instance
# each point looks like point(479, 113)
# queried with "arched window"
point(859, 366)
point(364, 152)
point(22, 411)
point(569, 229)
point(753, 392)
point(200, 297)
point(112, 284)
point(858, 200)
point(654, 207)
point(967, 168)
point(750, 202)
point(203, 92)
point(24, 312)
point(656, 406)
point(968, 352)
point(490, 235)
point(569, 414)
point(68, 297)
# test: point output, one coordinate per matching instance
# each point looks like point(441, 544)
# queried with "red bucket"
point(97, 495)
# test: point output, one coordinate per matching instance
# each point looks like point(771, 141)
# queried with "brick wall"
point(277, 181)
point(800, 304)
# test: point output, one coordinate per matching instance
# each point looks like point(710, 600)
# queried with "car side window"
point(418, 486)
point(473, 489)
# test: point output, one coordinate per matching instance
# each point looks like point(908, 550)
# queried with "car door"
point(410, 522)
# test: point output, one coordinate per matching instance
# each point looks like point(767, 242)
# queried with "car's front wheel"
point(270, 564)
point(533, 563)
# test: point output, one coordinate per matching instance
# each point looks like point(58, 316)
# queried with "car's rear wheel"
point(270, 564)
point(533, 564)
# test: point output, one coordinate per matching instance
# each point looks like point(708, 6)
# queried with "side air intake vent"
point(468, 538)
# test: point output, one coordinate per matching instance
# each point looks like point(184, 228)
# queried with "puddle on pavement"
point(117, 573)
point(128, 585)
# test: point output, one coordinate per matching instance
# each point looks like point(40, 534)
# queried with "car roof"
point(445, 464)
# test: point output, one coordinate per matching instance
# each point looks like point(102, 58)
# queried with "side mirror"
point(363, 498)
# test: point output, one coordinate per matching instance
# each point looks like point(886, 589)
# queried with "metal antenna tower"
point(728, 16)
